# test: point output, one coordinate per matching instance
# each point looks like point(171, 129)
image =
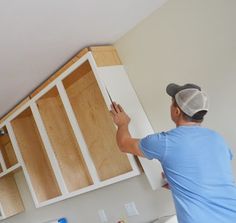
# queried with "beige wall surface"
point(84, 208)
point(186, 41)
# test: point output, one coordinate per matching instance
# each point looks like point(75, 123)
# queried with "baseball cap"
point(189, 97)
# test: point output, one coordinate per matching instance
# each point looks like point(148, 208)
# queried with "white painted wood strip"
point(17, 112)
point(21, 161)
point(61, 77)
point(75, 65)
point(78, 134)
point(2, 214)
point(11, 169)
point(2, 162)
point(49, 150)
point(117, 82)
point(91, 188)
point(133, 163)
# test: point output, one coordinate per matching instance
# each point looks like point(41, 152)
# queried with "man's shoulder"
point(185, 130)
point(212, 132)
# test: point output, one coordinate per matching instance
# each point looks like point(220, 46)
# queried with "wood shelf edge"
point(4, 117)
point(105, 55)
point(59, 72)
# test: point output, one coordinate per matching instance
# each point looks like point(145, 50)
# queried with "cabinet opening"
point(10, 197)
point(64, 143)
point(35, 157)
point(95, 122)
point(7, 150)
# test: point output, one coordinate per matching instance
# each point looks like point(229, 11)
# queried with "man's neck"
point(185, 123)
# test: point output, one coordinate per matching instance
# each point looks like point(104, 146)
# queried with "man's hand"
point(119, 116)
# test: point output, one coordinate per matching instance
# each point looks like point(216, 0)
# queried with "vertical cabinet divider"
point(48, 148)
point(21, 162)
point(79, 137)
point(2, 162)
point(2, 214)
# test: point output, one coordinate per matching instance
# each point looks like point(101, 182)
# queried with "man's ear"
point(177, 111)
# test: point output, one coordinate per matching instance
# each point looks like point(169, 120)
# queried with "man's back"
point(197, 164)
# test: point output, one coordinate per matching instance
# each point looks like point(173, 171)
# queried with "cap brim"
point(172, 89)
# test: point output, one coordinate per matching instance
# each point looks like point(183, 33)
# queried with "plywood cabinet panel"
point(10, 199)
point(35, 157)
point(62, 138)
point(95, 122)
point(105, 55)
point(7, 150)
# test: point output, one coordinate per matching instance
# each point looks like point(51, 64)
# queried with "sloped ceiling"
point(39, 36)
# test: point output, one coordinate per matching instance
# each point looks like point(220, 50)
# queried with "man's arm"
point(125, 142)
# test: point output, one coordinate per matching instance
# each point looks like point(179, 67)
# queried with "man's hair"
point(197, 117)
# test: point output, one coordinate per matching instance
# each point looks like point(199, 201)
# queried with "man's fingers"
point(120, 108)
point(112, 111)
point(116, 108)
point(166, 186)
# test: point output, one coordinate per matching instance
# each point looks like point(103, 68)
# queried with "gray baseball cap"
point(189, 97)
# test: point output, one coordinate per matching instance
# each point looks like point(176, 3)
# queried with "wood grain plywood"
point(105, 56)
point(10, 197)
point(65, 146)
point(9, 155)
point(8, 152)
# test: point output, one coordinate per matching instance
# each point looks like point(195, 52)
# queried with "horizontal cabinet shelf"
point(10, 170)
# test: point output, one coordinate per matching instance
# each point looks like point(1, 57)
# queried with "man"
point(196, 160)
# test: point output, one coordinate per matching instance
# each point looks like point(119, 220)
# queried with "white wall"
point(184, 41)
point(83, 208)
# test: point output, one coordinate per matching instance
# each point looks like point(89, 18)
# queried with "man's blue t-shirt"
point(197, 165)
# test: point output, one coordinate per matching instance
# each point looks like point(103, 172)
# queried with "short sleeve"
point(154, 146)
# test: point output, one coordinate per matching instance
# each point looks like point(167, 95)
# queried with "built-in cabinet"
point(63, 136)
